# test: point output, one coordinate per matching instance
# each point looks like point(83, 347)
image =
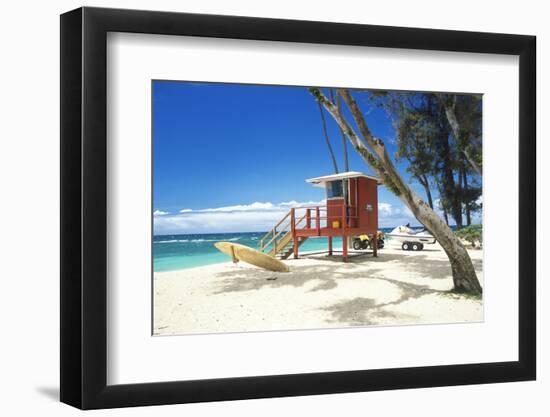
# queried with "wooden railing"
point(313, 215)
point(279, 235)
point(273, 232)
point(270, 238)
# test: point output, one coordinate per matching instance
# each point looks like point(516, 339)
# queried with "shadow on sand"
point(361, 311)
point(357, 311)
point(334, 269)
point(250, 280)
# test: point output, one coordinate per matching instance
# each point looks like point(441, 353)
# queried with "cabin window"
point(335, 190)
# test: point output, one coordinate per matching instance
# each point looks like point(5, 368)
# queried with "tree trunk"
point(426, 184)
point(449, 185)
point(446, 217)
point(471, 161)
point(329, 146)
point(467, 209)
point(464, 275)
point(459, 209)
point(443, 209)
point(455, 127)
point(344, 141)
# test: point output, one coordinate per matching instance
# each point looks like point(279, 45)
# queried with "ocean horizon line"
point(254, 232)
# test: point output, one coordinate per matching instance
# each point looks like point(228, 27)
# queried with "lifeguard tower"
point(351, 210)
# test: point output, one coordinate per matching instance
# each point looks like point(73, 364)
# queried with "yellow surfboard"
point(251, 256)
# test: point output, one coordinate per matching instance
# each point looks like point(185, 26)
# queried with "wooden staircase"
point(284, 250)
point(278, 242)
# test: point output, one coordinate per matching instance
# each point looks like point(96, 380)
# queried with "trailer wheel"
point(406, 246)
point(415, 247)
point(421, 246)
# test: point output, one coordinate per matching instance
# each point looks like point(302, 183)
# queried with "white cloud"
point(385, 209)
point(160, 213)
point(217, 222)
point(254, 217)
point(257, 216)
point(257, 206)
point(391, 216)
point(295, 203)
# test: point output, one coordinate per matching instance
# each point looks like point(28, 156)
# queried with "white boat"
point(411, 239)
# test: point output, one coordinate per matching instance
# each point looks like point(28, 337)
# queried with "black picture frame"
point(84, 207)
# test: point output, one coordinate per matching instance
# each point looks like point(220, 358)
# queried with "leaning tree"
point(374, 153)
point(464, 115)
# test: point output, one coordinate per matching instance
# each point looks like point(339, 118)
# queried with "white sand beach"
point(396, 288)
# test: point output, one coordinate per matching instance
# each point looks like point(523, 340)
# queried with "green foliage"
point(425, 141)
point(434, 156)
point(472, 234)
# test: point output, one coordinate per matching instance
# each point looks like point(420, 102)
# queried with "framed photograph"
point(257, 208)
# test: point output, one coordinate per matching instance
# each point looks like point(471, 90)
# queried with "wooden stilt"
point(295, 247)
point(345, 248)
point(330, 246)
point(375, 245)
point(318, 220)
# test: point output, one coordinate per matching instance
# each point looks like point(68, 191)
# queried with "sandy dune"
point(394, 289)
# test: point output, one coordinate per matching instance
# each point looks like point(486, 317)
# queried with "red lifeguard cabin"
point(351, 210)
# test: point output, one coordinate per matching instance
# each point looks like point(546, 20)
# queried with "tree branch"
point(376, 144)
point(455, 127)
point(368, 156)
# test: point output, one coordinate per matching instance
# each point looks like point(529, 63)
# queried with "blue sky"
point(232, 157)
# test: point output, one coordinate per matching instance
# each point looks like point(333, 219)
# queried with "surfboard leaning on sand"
point(251, 256)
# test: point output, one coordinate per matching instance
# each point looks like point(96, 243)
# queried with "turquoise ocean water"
point(173, 252)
